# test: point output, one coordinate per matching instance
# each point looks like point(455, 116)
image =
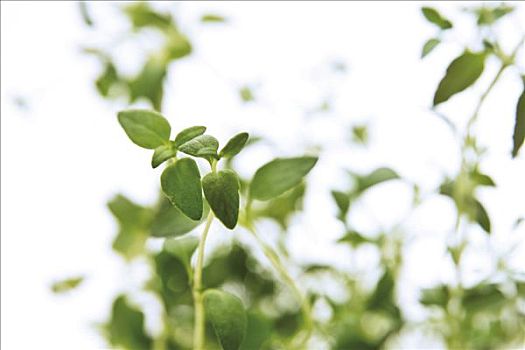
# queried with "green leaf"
point(282, 207)
point(147, 129)
point(126, 327)
point(279, 175)
point(355, 239)
point(182, 248)
point(483, 297)
point(204, 146)
point(66, 285)
point(149, 82)
point(162, 154)
point(133, 221)
point(107, 79)
point(188, 134)
point(461, 73)
point(430, 45)
point(487, 15)
point(437, 296)
point(258, 330)
point(342, 200)
point(376, 177)
point(481, 179)
point(226, 313)
point(142, 15)
point(211, 18)
point(481, 216)
point(246, 94)
point(222, 193)
point(234, 146)
point(177, 45)
point(519, 125)
point(433, 16)
point(169, 221)
point(181, 184)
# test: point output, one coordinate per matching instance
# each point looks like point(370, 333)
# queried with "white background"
point(65, 155)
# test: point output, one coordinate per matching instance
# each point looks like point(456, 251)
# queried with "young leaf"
point(226, 313)
point(234, 146)
point(279, 175)
point(212, 18)
point(66, 285)
point(519, 125)
point(222, 193)
point(181, 184)
point(203, 146)
point(182, 248)
point(343, 203)
point(126, 327)
point(147, 129)
point(377, 176)
point(433, 16)
point(188, 134)
point(429, 46)
point(461, 73)
point(246, 94)
point(481, 216)
point(169, 221)
point(162, 154)
point(149, 82)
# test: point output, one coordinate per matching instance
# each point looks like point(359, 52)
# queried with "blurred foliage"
point(488, 314)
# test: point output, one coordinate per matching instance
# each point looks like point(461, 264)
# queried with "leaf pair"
point(206, 146)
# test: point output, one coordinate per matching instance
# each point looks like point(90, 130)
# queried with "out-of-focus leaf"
point(67, 284)
point(181, 183)
point(222, 193)
point(133, 221)
point(429, 45)
point(246, 94)
point(487, 15)
point(147, 129)
point(226, 313)
point(279, 175)
point(188, 134)
point(149, 82)
point(355, 239)
point(282, 207)
point(174, 287)
point(376, 177)
point(142, 15)
point(234, 145)
point(433, 16)
point(437, 296)
point(481, 216)
point(383, 296)
point(519, 124)
point(204, 146)
point(126, 327)
point(212, 18)
point(162, 154)
point(182, 248)
point(461, 74)
point(483, 297)
point(107, 79)
point(342, 200)
point(169, 221)
point(84, 12)
point(177, 45)
point(481, 179)
point(360, 134)
point(258, 330)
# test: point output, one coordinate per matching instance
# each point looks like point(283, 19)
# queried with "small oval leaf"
point(162, 154)
point(203, 146)
point(519, 125)
point(181, 184)
point(234, 146)
point(226, 313)
point(279, 175)
point(222, 193)
point(461, 73)
point(430, 45)
point(433, 16)
point(188, 134)
point(147, 129)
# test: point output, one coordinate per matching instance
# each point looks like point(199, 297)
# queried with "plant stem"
point(277, 264)
point(198, 331)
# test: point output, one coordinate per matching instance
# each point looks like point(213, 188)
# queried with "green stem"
point(305, 305)
point(198, 331)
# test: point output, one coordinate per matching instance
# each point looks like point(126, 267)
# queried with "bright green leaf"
point(182, 248)
point(376, 177)
point(430, 45)
point(211, 18)
point(126, 327)
point(149, 82)
point(188, 134)
point(204, 146)
point(487, 15)
point(66, 285)
point(177, 45)
point(147, 129)
point(355, 239)
point(226, 313)
point(461, 73)
point(246, 94)
point(162, 154)
point(279, 175)
point(142, 15)
point(181, 184)
point(222, 193)
point(169, 221)
point(519, 125)
point(433, 16)
point(234, 146)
